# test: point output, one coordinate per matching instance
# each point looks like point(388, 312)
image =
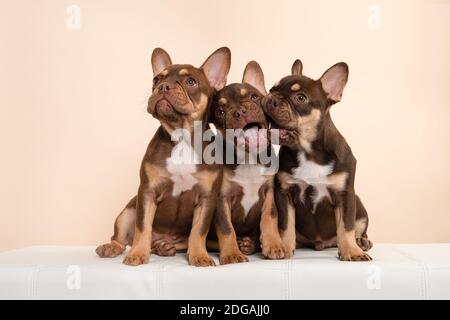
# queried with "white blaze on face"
point(181, 166)
point(250, 177)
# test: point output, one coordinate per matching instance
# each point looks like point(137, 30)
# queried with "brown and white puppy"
point(176, 198)
point(317, 167)
point(246, 204)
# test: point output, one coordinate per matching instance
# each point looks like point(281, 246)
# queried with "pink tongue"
point(251, 135)
point(254, 136)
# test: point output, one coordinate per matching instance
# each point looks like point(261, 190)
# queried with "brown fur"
point(166, 222)
point(306, 128)
point(235, 107)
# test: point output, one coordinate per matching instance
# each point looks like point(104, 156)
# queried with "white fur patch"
point(311, 172)
point(251, 178)
point(181, 166)
point(315, 175)
point(321, 177)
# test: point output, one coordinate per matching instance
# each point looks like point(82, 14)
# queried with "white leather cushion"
point(419, 271)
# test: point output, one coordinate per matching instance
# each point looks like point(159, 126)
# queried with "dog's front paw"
point(136, 259)
point(354, 255)
point(164, 248)
point(288, 137)
point(201, 260)
point(247, 245)
point(273, 250)
point(110, 250)
point(289, 248)
point(236, 257)
point(364, 243)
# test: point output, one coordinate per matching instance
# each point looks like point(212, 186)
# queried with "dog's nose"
point(272, 102)
point(163, 87)
point(240, 113)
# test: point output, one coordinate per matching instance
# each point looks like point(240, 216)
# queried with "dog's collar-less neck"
point(310, 146)
point(328, 142)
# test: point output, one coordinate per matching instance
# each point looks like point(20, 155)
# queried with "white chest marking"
point(181, 166)
point(251, 178)
point(313, 174)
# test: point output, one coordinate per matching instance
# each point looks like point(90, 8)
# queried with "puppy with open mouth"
point(245, 211)
point(315, 184)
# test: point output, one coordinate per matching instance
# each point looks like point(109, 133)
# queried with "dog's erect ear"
point(297, 68)
point(217, 66)
point(160, 60)
point(334, 80)
point(254, 76)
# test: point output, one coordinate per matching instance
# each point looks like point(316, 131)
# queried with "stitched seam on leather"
point(423, 269)
point(161, 272)
point(30, 284)
point(426, 277)
point(33, 287)
point(289, 278)
point(285, 274)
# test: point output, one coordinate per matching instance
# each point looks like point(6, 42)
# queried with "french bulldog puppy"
point(315, 183)
point(246, 203)
point(177, 194)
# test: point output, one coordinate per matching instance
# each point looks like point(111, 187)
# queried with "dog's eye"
point(301, 98)
point(220, 112)
point(156, 81)
point(191, 81)
point(254, 96)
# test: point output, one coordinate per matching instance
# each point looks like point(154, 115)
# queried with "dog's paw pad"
point(109, 250)
point(164, 248)
point(355, 257)
point(319, 246)
point(233, 258)
point(364, 243)
point(247, 245)
point(273, 252)
point(136, 259)
point(201, 261)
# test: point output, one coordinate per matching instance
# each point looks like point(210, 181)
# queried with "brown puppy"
point(317, 167)
point(246, 203)
point(177, 192)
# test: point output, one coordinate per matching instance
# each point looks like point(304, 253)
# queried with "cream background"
point(73, 103)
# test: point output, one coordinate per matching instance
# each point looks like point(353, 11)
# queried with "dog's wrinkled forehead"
point(235, 94)
point(294, 84)
point(179, 72)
